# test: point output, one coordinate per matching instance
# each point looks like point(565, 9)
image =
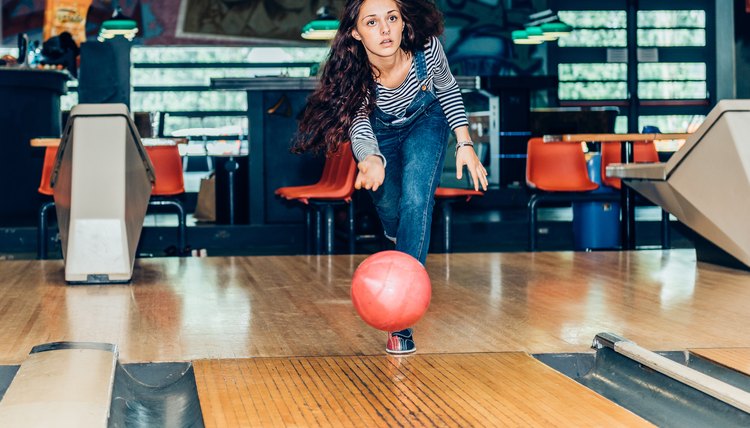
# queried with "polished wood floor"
point(260, 315)
point(196, 308)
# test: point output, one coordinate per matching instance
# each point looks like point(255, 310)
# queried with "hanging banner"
point(66, 15)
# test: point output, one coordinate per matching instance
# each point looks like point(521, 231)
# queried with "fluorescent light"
point(521, 37)
point(535, 32)
point(118, 25)
point(320, 29)
point(324, 27)
point(558, 29)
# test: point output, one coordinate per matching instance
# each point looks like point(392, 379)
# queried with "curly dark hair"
point(347, 81)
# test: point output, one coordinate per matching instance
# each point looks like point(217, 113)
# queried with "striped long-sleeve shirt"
point(395, 101)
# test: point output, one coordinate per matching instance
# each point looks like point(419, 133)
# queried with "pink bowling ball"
point(391, 290)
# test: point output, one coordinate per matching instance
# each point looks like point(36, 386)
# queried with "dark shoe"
point(400, 342)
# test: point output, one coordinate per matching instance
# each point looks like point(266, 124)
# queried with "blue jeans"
point(414, 148)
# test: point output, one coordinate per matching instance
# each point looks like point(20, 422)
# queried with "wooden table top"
point(577, 138)
point(54, 142)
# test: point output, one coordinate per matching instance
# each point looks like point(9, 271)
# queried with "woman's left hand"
point(466, 156)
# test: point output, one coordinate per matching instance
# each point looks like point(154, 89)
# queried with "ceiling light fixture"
point(542, 27)
point(324, 27)
point(118, 25)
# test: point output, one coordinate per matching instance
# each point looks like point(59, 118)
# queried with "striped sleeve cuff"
point(366, 147)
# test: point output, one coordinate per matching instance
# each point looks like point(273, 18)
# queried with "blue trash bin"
point(596, 225)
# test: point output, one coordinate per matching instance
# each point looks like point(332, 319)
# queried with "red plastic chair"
point(167, 164)
point(326, 179)
point(168, 183)
point(446, 197)
point(557, 169)
point(643, 152)
point(45, 187)
point(335, 187)
point(557, 166)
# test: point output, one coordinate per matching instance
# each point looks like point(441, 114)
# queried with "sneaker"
point(400, 342)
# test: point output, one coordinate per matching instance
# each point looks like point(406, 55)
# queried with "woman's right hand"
point(371, 173)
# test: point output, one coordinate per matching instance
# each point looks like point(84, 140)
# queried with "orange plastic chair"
point(445, 197)
point(643, 151)
point(335, 187)
point(45, 188)
point(50, 154)
point(168, 183)
point(557, 169)
point(167, 164)
point(341, 184)
point(326, 179)
point(557, 166)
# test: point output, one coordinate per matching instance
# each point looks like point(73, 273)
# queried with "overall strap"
point(421, 64)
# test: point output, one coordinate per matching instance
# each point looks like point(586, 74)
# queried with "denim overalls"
point(414, 147)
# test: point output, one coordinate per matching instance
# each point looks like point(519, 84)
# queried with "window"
point(176, 80)
point(670, 28)
point(590, 81)
point(668, 86)
point(594, 28)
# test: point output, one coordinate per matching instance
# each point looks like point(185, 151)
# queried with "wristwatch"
point(460, 144)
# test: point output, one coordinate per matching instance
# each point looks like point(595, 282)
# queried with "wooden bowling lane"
point(185, 309)
point(734, 358)
point(487, 389)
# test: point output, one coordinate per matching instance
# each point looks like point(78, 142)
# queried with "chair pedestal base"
point(181, 219)
point(538, 198)
point(41, 248)
point(446, 197)
point(326, 209)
